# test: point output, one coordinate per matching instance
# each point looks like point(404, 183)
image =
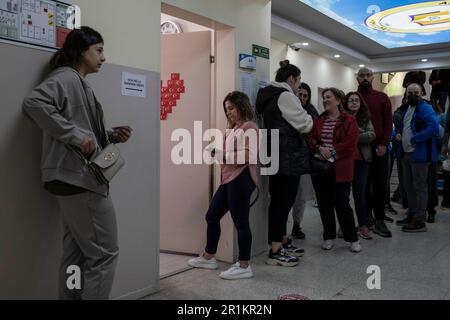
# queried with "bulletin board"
point(43, 23)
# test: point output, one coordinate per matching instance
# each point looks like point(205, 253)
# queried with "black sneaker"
point(293, 250)
point(404, 222)
point(381, 229)
point(431, 218)
point(281, 258)
point(415, 226)
point(297, 232)
point(370, 223)
point(391, 210)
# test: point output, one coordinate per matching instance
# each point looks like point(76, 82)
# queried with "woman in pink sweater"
point(238, 181)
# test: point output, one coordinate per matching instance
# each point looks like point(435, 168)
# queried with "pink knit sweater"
point(247, 150)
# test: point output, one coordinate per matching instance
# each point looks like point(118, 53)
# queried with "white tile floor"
point(413, 266)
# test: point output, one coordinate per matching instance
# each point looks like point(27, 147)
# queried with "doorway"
point(186, 96)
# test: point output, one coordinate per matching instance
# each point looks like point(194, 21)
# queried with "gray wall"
point(30, 231)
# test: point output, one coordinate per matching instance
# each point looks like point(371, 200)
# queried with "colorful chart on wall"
point(392, 24)
point(39, 22)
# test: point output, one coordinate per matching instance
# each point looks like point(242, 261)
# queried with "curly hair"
point(363, 114)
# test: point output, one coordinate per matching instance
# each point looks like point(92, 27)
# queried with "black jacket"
point(293, 149)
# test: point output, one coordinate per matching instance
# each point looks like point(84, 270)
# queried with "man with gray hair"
point(381, 116)
point(417, 149)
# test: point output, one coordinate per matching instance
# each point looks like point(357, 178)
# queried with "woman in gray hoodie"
point(65, 108)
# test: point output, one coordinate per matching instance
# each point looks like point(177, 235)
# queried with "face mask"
point(413, 100)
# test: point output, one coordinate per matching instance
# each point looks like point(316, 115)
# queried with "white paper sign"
point(134, 85)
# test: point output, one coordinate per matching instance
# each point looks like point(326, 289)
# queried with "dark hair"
point(363, 114)
point(286, 70)
point(306, 87)
point(339, 94)
point(77, 42)
point(242, 103)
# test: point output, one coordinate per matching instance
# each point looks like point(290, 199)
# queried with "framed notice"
point(44, 23)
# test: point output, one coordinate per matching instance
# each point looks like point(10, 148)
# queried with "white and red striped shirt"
point(327, 133)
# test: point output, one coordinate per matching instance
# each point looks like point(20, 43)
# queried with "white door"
point(185, 188)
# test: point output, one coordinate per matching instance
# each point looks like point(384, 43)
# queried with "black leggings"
point(233, 197)
point(283, 191)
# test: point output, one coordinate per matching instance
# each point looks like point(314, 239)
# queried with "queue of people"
point(345, 149)
point(351, 141)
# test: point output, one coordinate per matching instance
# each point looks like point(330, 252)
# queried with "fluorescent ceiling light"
point(424, 60)
point(337, 56)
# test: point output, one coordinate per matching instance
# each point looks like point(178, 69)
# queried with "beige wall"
point(394, 89)
point(239, 25)
point(130, 30)
point(186, 26)
point(250, 18)
point(317, 71)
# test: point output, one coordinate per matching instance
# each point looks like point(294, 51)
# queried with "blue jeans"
point(359, 186)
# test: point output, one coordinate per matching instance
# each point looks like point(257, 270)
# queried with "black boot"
point(297, 232)
point(431, 218)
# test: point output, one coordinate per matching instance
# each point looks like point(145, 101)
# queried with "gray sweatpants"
point(415, 180)
point(89, 243)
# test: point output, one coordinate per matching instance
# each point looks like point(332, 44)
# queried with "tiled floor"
point(413, 266)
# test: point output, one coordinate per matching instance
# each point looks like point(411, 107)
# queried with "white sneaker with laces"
point(236, 272)
point(328, 245)
point(203, 263)
point(355, 247)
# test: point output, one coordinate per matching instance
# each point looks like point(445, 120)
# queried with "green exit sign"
point(261, 52)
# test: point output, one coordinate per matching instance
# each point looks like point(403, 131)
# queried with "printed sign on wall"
point(39, 22)
point(134, 85)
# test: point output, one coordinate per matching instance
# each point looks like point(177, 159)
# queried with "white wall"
point(130, 29)
point(317, 71)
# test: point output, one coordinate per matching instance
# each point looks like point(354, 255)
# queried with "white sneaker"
point(328, 244)
point(355, 247)
point(236, 272)
point(201, 262)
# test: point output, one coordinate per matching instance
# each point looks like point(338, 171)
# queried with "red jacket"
point(345, 142)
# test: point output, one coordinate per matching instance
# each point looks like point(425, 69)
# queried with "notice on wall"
point(134, 85)
point(39, 22)
point(248, 85)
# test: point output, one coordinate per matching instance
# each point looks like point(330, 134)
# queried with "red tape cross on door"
point(170, 94)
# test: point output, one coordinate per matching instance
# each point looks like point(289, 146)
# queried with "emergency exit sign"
point(261, 52)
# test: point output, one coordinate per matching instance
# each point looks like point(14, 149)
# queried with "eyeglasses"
point(354, 101)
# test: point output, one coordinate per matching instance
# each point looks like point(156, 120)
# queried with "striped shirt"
point(327, 133)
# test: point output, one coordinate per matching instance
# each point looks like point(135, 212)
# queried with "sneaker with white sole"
point(203, 263)
point(355, 247)
point(235, 272)
point(293, 250)
point(281, 258)
point(328, 245)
